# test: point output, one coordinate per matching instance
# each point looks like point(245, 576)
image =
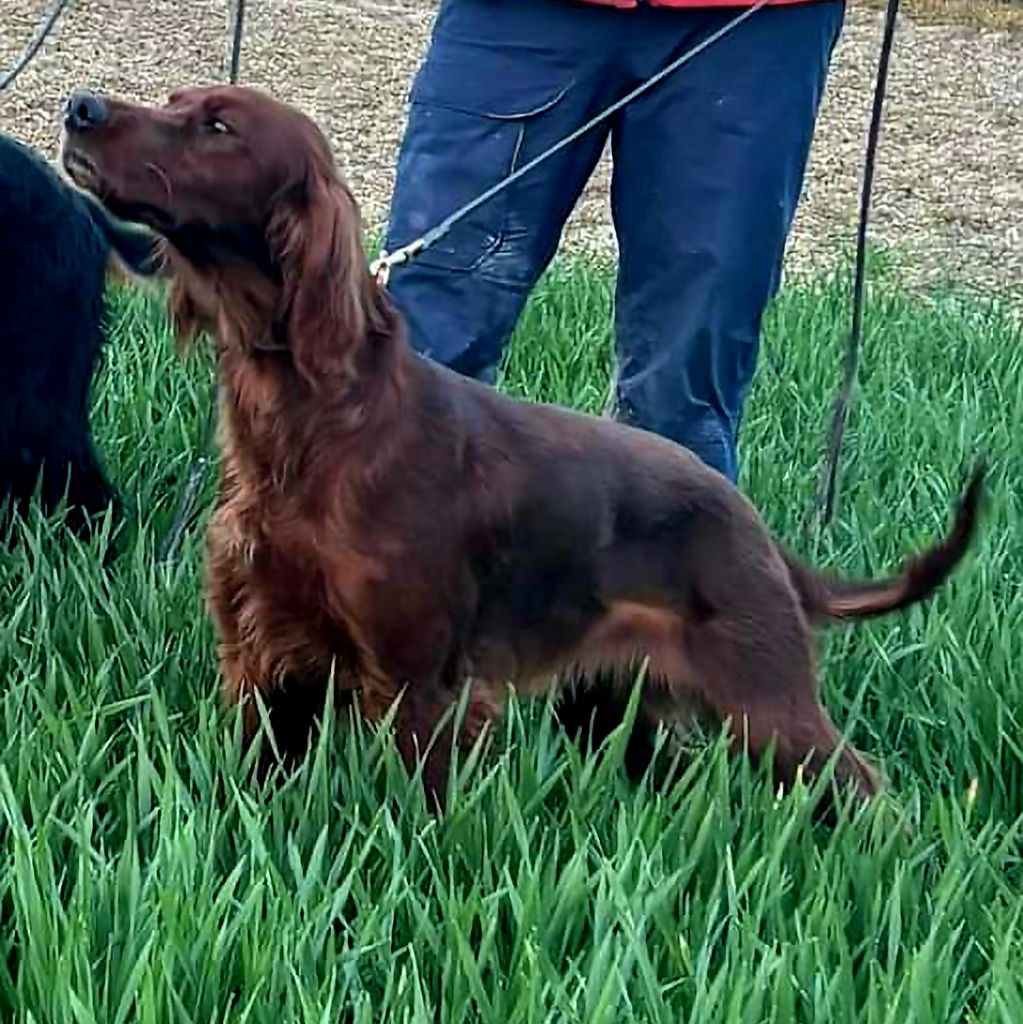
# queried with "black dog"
point(56, 246)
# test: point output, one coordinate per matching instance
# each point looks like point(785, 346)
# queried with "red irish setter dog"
point(404, 531)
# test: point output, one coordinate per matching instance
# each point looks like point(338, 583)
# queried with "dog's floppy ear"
point(326, 300)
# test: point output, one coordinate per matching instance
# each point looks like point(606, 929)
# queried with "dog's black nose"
point(84, 110)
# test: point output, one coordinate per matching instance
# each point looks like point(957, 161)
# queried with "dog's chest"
point(294, 567)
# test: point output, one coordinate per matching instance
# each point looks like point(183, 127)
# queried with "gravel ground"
point(949, 190)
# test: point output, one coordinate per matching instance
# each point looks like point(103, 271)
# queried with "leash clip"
point(381, 267)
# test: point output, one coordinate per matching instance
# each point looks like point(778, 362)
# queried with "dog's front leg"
point(424, 725)
point(269, 652)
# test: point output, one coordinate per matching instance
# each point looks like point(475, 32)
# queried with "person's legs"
point(502, 81)
point(708, 169)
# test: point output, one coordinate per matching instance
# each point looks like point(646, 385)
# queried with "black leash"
point(51, 17)
point(828, 486)
point(46, 26)
point(188, 499)
point(237, 27)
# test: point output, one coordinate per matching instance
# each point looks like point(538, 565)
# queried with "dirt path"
point(949, 194)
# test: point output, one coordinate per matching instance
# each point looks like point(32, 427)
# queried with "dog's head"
point(247, 193)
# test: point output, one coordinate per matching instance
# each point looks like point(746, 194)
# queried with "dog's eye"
point(215, 126)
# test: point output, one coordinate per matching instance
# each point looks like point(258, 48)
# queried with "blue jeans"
point(707, 171)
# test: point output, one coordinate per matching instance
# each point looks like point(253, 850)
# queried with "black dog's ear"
point(138, 249)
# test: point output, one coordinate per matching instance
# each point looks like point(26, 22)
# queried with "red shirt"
point(691, 3)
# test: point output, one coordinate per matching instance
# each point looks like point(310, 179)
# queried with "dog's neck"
point(271, 413)
point(233, 301)
point(232, 245)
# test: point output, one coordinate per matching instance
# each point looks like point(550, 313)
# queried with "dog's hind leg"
point(753, 665)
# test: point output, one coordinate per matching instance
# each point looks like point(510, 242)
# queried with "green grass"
point(143, 879)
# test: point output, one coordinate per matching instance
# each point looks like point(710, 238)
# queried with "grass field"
point(143, 879)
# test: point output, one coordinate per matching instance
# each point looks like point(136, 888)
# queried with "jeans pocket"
point(470, 107)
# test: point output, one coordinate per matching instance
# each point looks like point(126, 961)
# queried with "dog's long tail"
point(828, 600)
point(136, 247)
